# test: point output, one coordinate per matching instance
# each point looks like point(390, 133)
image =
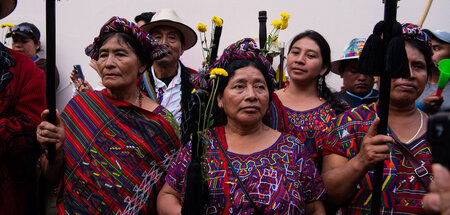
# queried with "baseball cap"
point(441, 35)
point(26, 30)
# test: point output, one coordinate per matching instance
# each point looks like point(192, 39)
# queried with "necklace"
point(420, 128)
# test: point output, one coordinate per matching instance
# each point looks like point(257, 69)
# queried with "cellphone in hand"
point(438, 135)
point(78, 72)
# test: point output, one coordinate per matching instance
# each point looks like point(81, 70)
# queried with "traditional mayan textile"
point(280, 179)
point(155, 49)
point(116, 155)
point(311, 127)
point(402, 190)
point(22, 100)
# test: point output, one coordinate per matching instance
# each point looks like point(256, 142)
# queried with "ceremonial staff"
point(215, 43)
point(384, 55)
point(262, 28)
point(50, 74)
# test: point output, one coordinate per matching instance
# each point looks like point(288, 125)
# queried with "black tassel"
point(396, 58)
point(371, 58)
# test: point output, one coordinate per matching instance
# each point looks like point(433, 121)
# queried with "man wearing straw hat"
point(169, 79)
point(358, 88)
point(22, 94)
point(428, 101)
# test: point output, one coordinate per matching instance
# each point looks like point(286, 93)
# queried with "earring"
point(320, 86)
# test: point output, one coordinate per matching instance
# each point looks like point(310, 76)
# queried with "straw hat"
point(6, 7)
point(168, 17)
point(353, 51)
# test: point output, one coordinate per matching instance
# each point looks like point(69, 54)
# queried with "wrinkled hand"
point(438, 199)
point(48, 133)
point(373, 148)
point(433, 102)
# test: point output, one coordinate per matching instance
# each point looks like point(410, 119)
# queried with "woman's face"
point(407, 90)
point(246, 97)
point(118, 64)
point(304, 61)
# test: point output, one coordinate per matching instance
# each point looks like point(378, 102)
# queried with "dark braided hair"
point(325, 51)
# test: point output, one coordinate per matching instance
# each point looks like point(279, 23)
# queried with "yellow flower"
point(284, 24)
point(218, 71)
point(7, 24)
point(193, 91)
point(285, 16)
point(201, 27)
point(217, 21)
point(277, 24)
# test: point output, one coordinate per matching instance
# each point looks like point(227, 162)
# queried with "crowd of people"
point(301, 149)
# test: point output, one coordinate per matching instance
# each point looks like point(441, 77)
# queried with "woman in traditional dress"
point(113, 147)
point(306, 107)
point(353, 148)
point(277, 175)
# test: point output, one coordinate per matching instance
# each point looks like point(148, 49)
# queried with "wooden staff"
point(262, 28)
point(281, 72)
point(50, 74)
point(390, 14)
point(215, 46)
point(425, 13)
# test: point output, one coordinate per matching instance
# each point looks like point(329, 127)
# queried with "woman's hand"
point(80, 85)
point(373, 148)
point(48, 133)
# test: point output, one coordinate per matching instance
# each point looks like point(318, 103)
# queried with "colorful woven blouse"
point(311, 127)
point(116, 156)
point(402, 190)
point(280, 179)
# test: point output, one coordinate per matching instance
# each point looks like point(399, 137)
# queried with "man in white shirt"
point(169, 80)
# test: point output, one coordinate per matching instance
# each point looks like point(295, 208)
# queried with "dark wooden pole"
point(50, 74)
point(390, 14)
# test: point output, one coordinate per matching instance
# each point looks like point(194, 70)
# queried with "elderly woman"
point(113, 146)
point(353, 148)
point(276, 173)
point(306, 107)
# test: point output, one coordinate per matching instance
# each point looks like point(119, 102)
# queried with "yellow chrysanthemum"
point(218, 71)
point(277, 24)
point(201, 27)
point(7, 24)
point(193, 91)
point(217, 21)
point(285, 16)
point(284, 24)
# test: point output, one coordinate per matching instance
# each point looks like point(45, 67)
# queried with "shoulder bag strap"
point(244, 189)
point(421, 172)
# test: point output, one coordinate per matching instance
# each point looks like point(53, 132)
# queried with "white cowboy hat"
point(6, 7)
point(168, 17)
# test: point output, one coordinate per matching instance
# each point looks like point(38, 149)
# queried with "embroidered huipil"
point(402, 190)
point(280, 179)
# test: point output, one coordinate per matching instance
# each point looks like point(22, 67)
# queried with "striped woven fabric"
point(116, 156)
point(402, 190)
